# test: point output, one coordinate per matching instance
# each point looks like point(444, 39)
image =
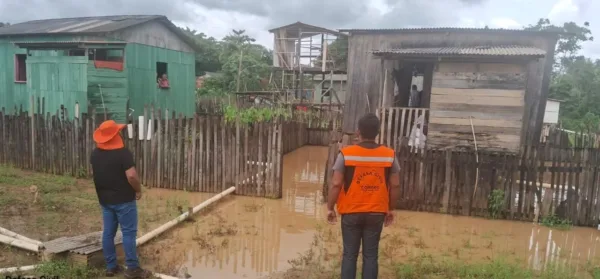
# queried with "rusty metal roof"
point(463, 51)
point(448, 29)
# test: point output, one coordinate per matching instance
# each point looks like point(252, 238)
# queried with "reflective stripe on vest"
point(368, 191)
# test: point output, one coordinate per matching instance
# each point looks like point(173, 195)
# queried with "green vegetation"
point(64, 269)
point(470, 258)
point(556, 222)
point(253, 114)
point(427, 266)
point(496, 203)
point(575, 79)
point(46, 199)
point(235, 53)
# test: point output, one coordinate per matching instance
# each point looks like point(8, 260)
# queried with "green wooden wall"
point(60, 80)
point(13, 94)
point(137, 83)
point(141, 67)
point(107, 88)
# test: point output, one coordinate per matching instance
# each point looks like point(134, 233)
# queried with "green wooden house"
point(110, 62)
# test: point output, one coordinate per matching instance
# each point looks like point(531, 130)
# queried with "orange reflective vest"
point(365, 180)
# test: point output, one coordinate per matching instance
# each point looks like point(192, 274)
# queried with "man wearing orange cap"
point(118, 187)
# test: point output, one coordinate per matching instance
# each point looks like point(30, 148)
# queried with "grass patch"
point(47, 183)
point(495, 204)
point(57, 205)
point(63, 269)
point(556, 222)
point(464, 260)
point(427, 266)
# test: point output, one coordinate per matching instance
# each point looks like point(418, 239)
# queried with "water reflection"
point(245, 237)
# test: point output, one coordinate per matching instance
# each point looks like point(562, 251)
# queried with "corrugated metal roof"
point(306, 28)
point(464, 51)
point(70, 42)
point(445, 29)
point(66, 44)
point(87, 25)
point(90, 25)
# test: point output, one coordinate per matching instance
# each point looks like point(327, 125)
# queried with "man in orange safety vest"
point(365, 186)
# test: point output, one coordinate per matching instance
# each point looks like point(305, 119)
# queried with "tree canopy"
point(224, 56)
point(576, 79)
point(570, 40)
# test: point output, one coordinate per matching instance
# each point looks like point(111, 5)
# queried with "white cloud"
point(504, 22)
point(219, 23)
point(562, 9)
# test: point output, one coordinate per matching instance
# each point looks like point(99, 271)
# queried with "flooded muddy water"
point(243, 237)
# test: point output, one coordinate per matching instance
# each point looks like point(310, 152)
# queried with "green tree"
point(207, 59)
point(576, 79)
point(337, 52)
point(241, 56)
point(578, 86)
point(224, 56)
point(570, 40)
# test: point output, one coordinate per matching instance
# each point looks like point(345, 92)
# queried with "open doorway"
point(412, 86)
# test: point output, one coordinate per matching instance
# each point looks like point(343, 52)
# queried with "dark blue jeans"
point(125, 215)
point(357, 228)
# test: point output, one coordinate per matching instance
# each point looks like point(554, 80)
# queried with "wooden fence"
point(397, 123)
point(203, 153)
point(542, 181)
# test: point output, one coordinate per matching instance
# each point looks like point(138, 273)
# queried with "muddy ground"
point(64, 206)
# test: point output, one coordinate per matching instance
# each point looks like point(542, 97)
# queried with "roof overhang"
point(303, 30)
point(67, 44)
point(461, 52)
point(426, 30)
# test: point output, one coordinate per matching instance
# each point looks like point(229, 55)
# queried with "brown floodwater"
point(243, 237)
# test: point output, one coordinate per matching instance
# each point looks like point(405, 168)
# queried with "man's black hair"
point(368, 126)
point(414, 86)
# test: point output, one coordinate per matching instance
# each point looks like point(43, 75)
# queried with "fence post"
point(279, 159)
point(447, 181)
point(32, 115)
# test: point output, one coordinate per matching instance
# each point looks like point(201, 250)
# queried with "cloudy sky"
point(217, 17)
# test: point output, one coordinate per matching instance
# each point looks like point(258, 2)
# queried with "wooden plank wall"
point(490, 95)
